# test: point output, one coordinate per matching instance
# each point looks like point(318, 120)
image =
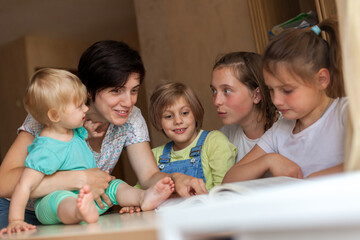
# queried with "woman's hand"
point(98, 181)
point(91, 127)
point(187, 186)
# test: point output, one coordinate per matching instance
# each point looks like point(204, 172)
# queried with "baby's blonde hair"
point(52, 89)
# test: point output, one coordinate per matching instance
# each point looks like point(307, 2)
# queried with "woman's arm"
point(256, 163)
point(12, 165)
point(97, 179)
point(12, 168)
point(144, 165)
point(336, 169)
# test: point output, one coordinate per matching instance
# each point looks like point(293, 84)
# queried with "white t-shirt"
point(236, 135)
point(318, 147)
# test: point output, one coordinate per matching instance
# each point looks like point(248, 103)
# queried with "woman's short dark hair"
point(108, 64)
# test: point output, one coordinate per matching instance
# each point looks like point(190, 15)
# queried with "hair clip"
point(316, 29)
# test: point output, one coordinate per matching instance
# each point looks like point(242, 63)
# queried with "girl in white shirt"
point(304, 75)
point(242, 99)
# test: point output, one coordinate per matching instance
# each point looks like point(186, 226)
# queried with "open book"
point(324, 207)
point(227, 191)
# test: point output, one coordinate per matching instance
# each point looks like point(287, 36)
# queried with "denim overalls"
point(191, 166)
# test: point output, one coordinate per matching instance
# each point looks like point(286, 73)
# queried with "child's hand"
point(282, 166)
point(17, 226)
point(187, 186)
point(91, 127)
point(129, 210)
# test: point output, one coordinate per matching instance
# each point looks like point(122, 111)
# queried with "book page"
point(192, 201)
point(226, 192)
point(240, 188)
point(325, 207)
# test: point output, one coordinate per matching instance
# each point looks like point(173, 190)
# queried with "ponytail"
point(305, 52)
point(336, 87)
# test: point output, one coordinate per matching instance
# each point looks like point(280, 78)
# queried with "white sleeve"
point(344, 110)
point(31, 126)
point(138, 131)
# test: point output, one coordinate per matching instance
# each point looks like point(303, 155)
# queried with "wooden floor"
point(111, 226)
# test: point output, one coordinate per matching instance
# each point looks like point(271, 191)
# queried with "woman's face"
point(115, 104)
point(233, 101)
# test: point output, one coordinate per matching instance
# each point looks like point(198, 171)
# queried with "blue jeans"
point(4, 214)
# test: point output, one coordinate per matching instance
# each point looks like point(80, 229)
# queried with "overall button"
point(161, 167)
point(192, 160)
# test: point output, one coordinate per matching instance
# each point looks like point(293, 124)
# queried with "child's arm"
point(28, 181)
point(336, 169)
point(257, 162)
point(249, 167)
point(91, 127)
point(221, 154)
point(143, 162)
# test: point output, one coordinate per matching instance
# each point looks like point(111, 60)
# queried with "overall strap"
point(165, 157)
point(196, 151)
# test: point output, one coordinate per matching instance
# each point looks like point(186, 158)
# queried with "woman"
point(112, 73)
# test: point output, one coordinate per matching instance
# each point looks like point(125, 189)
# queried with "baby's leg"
point(147, 199)
point(71, 210)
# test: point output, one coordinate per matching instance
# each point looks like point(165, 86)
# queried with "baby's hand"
point(129, 210)
point(91, 128)
point(17, 226)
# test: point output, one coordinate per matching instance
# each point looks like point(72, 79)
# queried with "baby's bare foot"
point(157, 194)
point(86, 206)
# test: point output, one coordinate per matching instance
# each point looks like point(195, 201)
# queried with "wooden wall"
point(180, 40)
point(18, 61)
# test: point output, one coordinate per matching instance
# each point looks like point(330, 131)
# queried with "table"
point(110, 226)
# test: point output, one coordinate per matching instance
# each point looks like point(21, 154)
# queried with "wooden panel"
point(307, 5)
point(279, 11)
point(328, 8)
point(258, 24)
point(349, 20)
point(265, 14)
point(13, 82)
point(180, 40)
